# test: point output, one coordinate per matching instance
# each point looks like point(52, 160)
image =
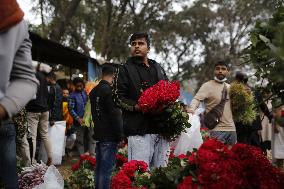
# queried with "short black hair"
point(108, 69)
point(77, 80)
point(139, 35)
point(241, 77)
point(221, 63)
point(51, 75)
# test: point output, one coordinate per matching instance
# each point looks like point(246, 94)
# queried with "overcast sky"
point(26, 6)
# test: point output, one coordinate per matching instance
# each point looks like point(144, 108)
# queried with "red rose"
point(120, 160)
point(187, 183)
point(121, 181)
point(76, 166)
point(159, 95)
point(182, 156)
point(91, 160)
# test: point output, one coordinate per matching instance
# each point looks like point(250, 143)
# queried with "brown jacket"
point(10, 14)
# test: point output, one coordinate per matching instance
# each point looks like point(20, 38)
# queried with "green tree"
point(102, 25)
point(219, 30)
point(188, 41)
point(267, 53)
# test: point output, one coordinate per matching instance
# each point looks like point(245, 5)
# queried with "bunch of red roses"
point(159, 95)
point(126, 175)
point(84, 159)
point(83, 173)
point(120, 160)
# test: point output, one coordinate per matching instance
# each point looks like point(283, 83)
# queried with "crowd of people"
point(30, 96)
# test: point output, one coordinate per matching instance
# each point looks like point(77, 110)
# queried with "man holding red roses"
point(139, 73)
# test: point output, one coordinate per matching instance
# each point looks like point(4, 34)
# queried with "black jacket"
point(55, 103)
point(106, 116)
point(127, 90)
point(40, 103)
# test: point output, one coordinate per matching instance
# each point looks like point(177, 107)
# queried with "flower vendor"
point(135, 76)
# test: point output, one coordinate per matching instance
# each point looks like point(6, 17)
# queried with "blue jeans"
point(105, 155)
point(8, 162)
point(227, 137)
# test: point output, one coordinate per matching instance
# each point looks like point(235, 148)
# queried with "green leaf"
point(254, 39)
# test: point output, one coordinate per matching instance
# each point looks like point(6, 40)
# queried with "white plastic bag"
point(56, 137)
point(191, 138)
point(52, 179)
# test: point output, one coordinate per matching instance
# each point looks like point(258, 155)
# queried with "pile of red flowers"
point(242, 167)
point(217, 166)
point(126, 175)
point(159, 95)
point(188, 183)
point(212, 166)
point(84, 158)
point(256, 170)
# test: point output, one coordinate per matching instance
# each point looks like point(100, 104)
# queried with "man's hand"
point(3, 113)
point(81, 121)
point(188, 110)
point(270, 116)
point(276, 130)
point(137, 108)
point(51, 123)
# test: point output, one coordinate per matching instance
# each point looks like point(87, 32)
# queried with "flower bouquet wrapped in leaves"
point(242, 103)
point(83, 173)
point(132, 175)
point(160, 101)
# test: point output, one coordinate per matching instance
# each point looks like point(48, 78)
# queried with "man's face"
point(50, 81)
point(221, 72)
point(65, 93)
point(139, 47)
point(79, 87)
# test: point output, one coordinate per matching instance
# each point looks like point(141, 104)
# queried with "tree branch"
point(60, 26)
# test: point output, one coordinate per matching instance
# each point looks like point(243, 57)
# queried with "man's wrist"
point(137, 108)
point(3, 113)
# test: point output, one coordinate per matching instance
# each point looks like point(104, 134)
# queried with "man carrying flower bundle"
point(107, 127)
point(139, 73)
point(214, 93)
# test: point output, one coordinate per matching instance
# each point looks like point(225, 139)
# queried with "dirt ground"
point(65, 167)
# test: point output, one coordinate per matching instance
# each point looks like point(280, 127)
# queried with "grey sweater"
point(18, 83)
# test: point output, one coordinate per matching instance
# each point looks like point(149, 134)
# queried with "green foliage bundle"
point(242, 103)
point(173, 121)
point(267, 52)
